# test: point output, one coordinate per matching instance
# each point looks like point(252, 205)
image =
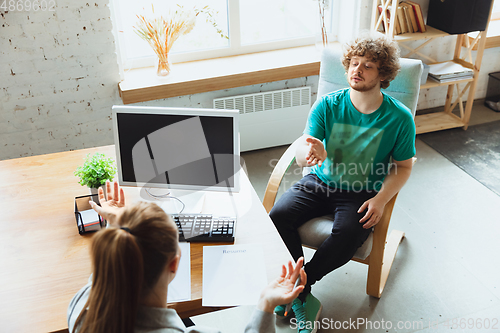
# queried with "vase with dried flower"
point(322, 36)
point(161, 32)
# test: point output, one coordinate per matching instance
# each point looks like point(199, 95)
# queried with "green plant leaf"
point(96, 170)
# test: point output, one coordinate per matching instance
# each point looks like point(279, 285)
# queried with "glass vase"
point(324, 21)
point(163, 66)
point(321, 40)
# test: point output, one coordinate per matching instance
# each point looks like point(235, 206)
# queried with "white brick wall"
point(58, 79)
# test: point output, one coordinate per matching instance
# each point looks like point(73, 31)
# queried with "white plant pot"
point(94, 190)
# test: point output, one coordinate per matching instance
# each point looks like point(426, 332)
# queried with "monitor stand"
point(190, 202)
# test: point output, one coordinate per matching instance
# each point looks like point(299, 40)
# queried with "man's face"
point(363, 74)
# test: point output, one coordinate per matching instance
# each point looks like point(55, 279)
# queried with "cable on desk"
point(166, 196)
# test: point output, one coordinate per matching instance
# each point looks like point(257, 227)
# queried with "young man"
point(350, 138)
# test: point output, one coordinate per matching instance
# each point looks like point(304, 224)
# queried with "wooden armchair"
point(379, 250)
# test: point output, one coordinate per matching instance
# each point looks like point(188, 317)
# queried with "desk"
point(43, 259)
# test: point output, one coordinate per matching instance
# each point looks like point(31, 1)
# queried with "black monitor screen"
point(176, 150)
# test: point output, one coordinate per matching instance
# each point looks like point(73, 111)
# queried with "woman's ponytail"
point(116, 283)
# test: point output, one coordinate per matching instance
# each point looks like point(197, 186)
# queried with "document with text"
point(179, 289)
point(233, 274)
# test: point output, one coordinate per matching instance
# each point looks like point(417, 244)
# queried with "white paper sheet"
point(448, 68)
point(233, 274)
point(90, 220)
point(179, 289)
point(89, 216)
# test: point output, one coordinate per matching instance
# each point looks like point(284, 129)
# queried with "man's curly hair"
point(379, 49)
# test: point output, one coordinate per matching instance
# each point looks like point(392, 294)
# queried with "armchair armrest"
point(279, 170)
point(383, 225)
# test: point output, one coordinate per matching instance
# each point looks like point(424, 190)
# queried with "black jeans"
point(310, 198)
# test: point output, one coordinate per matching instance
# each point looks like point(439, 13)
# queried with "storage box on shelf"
point(446, 119)
point(459, 16)
point(492, 99)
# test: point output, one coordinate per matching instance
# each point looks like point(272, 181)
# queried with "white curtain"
point(347, 18)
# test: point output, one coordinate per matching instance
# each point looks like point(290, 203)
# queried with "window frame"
point(234, 48)
point(492, 37)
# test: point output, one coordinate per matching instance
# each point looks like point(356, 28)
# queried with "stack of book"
point(449, 71)
point(408, 19)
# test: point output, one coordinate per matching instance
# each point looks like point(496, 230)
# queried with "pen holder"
point(87, 219)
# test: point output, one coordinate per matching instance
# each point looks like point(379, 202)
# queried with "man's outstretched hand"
point(111, 206)
point(316, 153)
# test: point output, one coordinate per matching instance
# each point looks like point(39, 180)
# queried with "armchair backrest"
point(405, 87)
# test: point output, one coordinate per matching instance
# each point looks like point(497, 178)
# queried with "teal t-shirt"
point(360, 146)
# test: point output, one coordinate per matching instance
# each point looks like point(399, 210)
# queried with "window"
point(251, 26)
point(494, 27)
point(269, 21)
point(493, 35)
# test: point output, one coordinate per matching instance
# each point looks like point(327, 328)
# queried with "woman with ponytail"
point(133, 262)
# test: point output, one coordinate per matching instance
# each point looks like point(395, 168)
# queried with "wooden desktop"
point(45, 261)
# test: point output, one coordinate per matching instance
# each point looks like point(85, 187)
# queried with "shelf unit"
point(446, 119)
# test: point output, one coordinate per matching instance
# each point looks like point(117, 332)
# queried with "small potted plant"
point(95, 171)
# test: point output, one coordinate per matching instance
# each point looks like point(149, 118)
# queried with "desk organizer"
point(87, 219)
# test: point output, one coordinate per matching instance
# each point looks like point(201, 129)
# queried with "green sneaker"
point(280, 310)
point(307, 314)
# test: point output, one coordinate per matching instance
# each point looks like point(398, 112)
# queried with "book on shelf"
point(451, 79)
point(397, 28)
point(448, 68)
point(402, 20)
point(410, 16)
point(408, 19)
point(449, 71)
point(381, 27)
point(407, 10)
point(452, 76)
point(419, 17)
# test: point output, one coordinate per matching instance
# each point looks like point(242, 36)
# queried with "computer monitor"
point(177, 148)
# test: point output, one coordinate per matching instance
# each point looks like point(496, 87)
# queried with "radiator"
point(269, 119)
